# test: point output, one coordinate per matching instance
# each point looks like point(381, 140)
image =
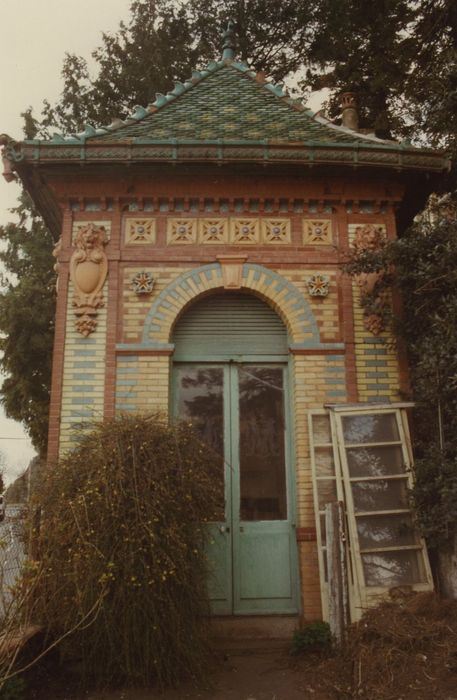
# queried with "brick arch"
point(282, 295)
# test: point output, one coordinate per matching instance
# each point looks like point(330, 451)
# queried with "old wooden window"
point(361, 456)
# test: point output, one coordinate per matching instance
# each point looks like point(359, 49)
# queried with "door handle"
point(223, 529)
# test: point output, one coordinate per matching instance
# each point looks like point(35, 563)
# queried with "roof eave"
point(272, 152)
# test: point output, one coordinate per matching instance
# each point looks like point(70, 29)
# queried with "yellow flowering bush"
point(121, 546)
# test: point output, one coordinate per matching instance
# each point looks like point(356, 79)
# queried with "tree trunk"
point(447, 569)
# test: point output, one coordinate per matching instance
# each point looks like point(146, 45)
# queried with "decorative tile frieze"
point(213, 231)
point(142, 283)
point(275, 230)
point(140, 231)
point(181, 231)
point(317, 232)
point(318, 285)
point(245, 231)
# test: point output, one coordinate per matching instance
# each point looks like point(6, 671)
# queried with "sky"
point(35, 36)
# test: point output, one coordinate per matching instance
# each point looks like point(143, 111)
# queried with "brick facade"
point(125, 365)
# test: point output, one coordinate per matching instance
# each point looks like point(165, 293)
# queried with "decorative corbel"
point(88, 270)
point(369, 238)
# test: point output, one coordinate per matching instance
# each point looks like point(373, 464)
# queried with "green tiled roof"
point(228, 104)
point(224, 114)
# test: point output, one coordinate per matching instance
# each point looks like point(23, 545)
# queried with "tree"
point(361, 46)
point(27, 304)
point(400, 57)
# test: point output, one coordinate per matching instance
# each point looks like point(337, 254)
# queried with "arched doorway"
point(231, 380)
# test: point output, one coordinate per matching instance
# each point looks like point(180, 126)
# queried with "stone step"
point(251, 630)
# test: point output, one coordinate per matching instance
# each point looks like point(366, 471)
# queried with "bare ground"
point(404, 650)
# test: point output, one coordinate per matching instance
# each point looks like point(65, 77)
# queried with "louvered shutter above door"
point(227, 325)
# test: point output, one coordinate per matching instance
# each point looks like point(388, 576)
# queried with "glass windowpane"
point(393, 568)
point(323, 530)
point(326, 492)
point(380, 495)
point(200, 401)
point(380, 427)
point(375, 461)
point(262, 455)
point(323, 459)
point(321, 430)
point(386, 531)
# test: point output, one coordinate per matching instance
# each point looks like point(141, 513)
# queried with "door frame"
point(229, 366)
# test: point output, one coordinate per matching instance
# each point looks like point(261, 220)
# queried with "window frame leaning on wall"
point(334, 478)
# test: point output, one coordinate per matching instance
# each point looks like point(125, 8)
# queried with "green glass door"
point(240, 410)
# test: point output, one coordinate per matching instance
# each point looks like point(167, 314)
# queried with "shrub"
point(14, 689)
point(315, 637)
point(122, 568)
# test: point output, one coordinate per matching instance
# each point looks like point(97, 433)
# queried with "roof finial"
point(228, 47)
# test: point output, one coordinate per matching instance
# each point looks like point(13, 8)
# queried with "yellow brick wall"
point(376, 360)
point(142, 383)
point(135, 308)
point(83, 384)
point(325, 309)
point(377, 365)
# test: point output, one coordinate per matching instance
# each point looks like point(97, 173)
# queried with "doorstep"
point(250, 630)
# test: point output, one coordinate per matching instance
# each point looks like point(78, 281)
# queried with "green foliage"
point(121, 551)
point(422, 267)
point(435, 493)
point(27, 308)
point(362, 46)
point(399, 56)
point(315, 637)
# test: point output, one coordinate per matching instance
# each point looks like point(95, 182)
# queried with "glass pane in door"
point(262, 454)
point(200, 400)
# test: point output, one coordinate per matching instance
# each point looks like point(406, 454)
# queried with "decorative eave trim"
point(307, 153)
